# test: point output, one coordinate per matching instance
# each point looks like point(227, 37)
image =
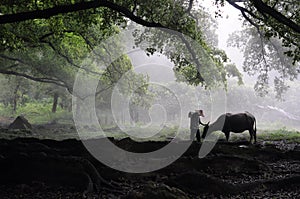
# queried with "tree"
point(264, 56)
point(36, 23)
point(15, 91)
point(274, 18)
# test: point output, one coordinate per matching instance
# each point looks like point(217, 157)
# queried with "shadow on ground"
point(35, 168)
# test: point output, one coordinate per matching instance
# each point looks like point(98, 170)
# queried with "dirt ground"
point(45, 168)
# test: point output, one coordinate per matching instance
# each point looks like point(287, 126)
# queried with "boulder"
point(20, 123)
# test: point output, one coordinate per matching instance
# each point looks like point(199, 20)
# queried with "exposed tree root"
point(76, 172)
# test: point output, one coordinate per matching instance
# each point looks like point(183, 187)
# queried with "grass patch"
point(280, 134)
point(38, 113)
point(287, 135)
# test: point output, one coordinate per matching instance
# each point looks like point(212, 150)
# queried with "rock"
point(20, 123)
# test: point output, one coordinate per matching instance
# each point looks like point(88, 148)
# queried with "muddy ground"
point(45, 168)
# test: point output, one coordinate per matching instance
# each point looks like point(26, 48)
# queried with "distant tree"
point(232, 71)
point(273, 19)
point(264, 56)
point(15, 91)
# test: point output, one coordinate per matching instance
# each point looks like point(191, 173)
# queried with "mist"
point(173, 100)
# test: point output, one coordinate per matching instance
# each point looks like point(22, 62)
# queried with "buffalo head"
point(205, 129)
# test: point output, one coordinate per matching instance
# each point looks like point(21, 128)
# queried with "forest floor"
point(40, 167)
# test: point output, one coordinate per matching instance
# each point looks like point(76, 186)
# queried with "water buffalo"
point(236, 123)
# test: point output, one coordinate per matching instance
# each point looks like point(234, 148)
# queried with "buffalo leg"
point(227, 135)
point(251, 135)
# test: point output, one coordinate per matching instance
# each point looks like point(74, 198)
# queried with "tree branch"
point(38, 79)
point(49, 12)
point(12, 59)
point(42, 38)
point(194, 56)
point(243, 10)
point(6, 71)
point(190, 6)
point(265, 9)
point(69, 60)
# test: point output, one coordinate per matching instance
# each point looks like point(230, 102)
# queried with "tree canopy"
point(46, 40)
point(265, 57)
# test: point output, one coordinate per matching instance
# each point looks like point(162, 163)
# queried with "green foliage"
point(51, 50)
point(211, 59)
point(232, 71)
point(38, 112)
point(280, 134)
point(273, 29)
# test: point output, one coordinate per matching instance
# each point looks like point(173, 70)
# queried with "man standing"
point(194, 124)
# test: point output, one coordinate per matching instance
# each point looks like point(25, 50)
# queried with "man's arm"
point(201, 122)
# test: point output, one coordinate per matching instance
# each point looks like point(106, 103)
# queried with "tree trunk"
point(15, 98)
point(55, 100)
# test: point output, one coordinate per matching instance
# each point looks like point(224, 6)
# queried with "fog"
point(269, 111)
point(173, 100)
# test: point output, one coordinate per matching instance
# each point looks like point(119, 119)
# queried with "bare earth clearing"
point(45, 168)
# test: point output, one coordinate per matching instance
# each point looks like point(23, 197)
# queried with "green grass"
point(169, 132)
point(38, 113)
point(280, 134)
point(66, 132)
point(266, 135)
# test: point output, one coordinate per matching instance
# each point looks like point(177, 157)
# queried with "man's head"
point(200, 112)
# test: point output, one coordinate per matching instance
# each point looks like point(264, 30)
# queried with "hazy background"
point(270, 112)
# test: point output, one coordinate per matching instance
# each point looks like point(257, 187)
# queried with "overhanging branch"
point(37, 79)
point(49, 12)
point(265, 9)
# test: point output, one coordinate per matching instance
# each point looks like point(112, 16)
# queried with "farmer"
point(194, 124)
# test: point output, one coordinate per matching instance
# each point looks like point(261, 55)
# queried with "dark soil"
point(34, 168)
